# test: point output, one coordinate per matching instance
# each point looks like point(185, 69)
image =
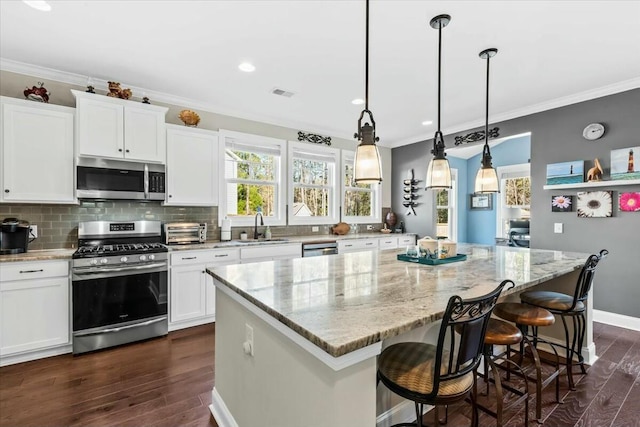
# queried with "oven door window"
point(112, 300)
point(110, 179)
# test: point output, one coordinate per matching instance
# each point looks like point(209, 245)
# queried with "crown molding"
point(166, 98)
point(588, 95)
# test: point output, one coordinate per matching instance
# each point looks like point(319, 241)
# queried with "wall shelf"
point(593, 184)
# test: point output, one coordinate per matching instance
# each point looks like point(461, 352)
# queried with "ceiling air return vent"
point(282, 92)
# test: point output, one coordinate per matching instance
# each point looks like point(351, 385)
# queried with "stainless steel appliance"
point(319, 248)
point(184, 233)
point(14, 236)
point(119, 281)
point(114, 179)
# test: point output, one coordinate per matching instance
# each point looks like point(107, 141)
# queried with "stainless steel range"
point(120, 280)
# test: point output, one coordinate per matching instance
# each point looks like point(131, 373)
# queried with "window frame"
point(504, 172)
point(332, 185)
point(347, 158)
point(251, 140)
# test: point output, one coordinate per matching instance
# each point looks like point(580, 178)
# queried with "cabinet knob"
point(120, 150)
point(126, 151)
point(6, 190)
point(169, 194)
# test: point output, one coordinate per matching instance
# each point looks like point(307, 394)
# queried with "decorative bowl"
point(385, 230)
point(189, 118)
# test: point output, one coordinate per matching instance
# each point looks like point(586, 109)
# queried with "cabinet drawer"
point(406, 240)
point(358, 244)
point(388, 243)
point(33, 270)
point(227, 256)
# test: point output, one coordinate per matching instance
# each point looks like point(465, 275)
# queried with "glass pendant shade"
point(486, 180)
point(367, 164)
point(438, 174)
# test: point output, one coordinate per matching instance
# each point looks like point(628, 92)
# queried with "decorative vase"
point(391, 220)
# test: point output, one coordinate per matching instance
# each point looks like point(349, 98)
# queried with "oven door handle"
point(122, 328)
point(97, 272)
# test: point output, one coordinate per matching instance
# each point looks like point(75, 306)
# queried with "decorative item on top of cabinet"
point(39, 93)
point(115, 91)
point(189, 118)
point(341, 228)
point(410, 194)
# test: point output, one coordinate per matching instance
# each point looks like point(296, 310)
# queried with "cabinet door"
point(37, 160)
point(192, 168)
point(210, 295)
point(144, 135)
point(100, 128)
point(34, 314)
point(188, 293)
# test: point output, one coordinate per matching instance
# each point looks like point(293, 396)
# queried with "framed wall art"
point(595, 204)
point(565, 173)
point(481, 201)
point(629, 202)
point(561, 203)
point(623, 164)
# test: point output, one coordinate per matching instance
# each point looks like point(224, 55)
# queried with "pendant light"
point(367, 168)
point(487, 178)
point(439, 172)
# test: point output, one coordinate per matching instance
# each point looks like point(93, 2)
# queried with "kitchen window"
point(360, 202)
point(446, 209)
point(313, 180)
point(253, 178)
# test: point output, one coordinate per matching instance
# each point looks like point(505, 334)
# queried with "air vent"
point(282, 92)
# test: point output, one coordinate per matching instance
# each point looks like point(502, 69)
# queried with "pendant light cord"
point(439, 67)
point(366, 61)
point(486, 121)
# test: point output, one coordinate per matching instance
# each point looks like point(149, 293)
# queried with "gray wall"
point(556, 136)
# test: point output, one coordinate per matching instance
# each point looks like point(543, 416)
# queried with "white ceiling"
point(551, 53)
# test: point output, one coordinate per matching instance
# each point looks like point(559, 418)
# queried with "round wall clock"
point(593, 131)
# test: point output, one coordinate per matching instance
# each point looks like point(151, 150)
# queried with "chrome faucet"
point(255, 228)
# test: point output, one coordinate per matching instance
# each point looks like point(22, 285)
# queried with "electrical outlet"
point(314, 229)
point(248, 340)
point(369, 227)
point(34, 231)
point(557, 227)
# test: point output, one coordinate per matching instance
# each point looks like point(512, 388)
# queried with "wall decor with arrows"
point(410, 193)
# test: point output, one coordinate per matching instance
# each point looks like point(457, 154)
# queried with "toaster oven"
point(184, 233)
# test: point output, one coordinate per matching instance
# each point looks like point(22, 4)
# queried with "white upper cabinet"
point(192, 167)
point(119, 129)
point(36, 152)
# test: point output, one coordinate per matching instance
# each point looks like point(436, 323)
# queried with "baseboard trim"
point(191, 323)
point(401, 413)
point(589, 352)
point(34, 355)
point(220, 411)
point(614, 319)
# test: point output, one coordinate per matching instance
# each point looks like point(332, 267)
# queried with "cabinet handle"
point(218, 256)
point(120, 150)
point(6, 190)
point(368, 244)
point(31, 271)
point(190, 257)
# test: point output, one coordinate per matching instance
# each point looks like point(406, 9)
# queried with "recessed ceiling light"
point(38, 4)
point(357, 101)
point(247, 67)
point(427, 122)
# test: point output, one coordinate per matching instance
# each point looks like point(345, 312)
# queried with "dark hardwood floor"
point(168, 382)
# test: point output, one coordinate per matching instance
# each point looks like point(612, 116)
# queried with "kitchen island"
point(297, 340)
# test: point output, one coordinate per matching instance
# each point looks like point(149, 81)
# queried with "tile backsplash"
point(58, 224)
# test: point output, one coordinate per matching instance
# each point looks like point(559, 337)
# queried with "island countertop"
point(343, 303)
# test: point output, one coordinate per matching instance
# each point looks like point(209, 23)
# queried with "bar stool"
point(525, 317)
point(444, 373)
point(502, 333)
point(573, 307)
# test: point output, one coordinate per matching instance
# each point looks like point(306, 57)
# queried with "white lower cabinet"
point(192, 292)
point(34, 310)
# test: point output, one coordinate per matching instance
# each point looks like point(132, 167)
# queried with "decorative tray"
point(430, 261)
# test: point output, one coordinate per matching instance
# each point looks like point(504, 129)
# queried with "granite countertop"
point(346, 302)
point(49, 254)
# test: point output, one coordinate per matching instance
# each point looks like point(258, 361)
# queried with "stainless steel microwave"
point(113, 179)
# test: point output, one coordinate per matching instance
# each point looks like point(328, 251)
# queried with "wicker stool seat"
point(502, 333)
point(572, 306)
point(444, 373)
point(525, 317)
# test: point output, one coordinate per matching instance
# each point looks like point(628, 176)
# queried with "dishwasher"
point(319, 248)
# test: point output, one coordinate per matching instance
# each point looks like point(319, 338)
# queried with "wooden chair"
point(570, 306)
point(444, 373)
